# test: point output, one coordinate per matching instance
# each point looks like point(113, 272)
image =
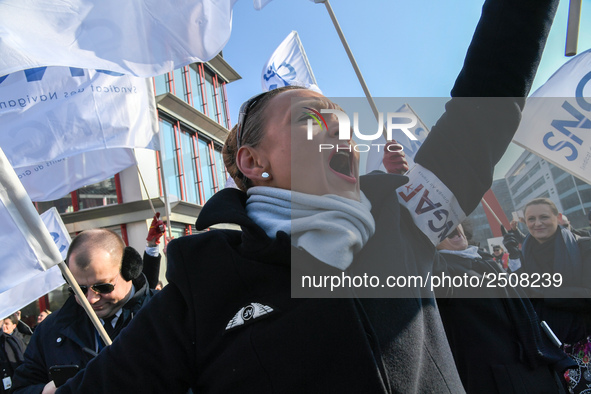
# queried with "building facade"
point(188, 168)
point(531, 177)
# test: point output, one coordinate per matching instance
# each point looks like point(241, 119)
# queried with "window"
point(210, 92)
point(537, 184)
point(196, 88)
point(206, 169)
point(189, 168)
point(90, 196)
point(179, 84)
point(63, 205)
point(169, 160)
point(556, 172)
point(586, 196)
point(192, 164)
point(570, 201)
point(98, 195)
point(220, 169)
point(581, 184)
point(160, 84)
point(526, 177)
point(222, 105)
point(564, 186)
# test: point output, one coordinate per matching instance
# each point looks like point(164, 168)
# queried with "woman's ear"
point(250, 163)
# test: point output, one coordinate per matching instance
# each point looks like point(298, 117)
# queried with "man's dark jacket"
point(11, 356)
point(67, 337)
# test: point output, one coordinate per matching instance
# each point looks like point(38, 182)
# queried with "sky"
point(410, 49)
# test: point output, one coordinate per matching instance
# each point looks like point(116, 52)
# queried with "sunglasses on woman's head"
point(244, 108)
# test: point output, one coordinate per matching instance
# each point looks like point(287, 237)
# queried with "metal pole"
point(84, 302)
point(572, 30)
point(491, 211)
point(145, 188)
point(372, 104)
point(164, 189)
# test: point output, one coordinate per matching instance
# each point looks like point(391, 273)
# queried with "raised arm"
point(488, 96)
point(454, 166)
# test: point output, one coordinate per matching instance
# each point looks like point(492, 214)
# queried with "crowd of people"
point(552, 248)
point(116, 282)
point(235, 317)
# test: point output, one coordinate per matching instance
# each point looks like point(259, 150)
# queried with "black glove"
point(511, 242)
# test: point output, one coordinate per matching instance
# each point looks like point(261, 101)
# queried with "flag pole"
point(572, 29)
point(84, 303)
point(164, 191)
point(372, 103)
point(145, 188)
point(491, 211)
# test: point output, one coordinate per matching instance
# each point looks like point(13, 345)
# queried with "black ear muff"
point(131, 264)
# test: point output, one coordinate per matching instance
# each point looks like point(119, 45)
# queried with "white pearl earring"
point(265, 175)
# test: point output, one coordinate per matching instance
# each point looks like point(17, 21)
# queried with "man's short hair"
point(497, 247)
point(13, 318)
point(87, 241)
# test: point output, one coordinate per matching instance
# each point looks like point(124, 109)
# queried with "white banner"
point(259, 4)
point(51, 113)
point(29, 250)
point(142, 38)
point(288, 65)
point(556, 121)
point(421, 195)
point(420, 131)
point(51, 180)
point(57, 229)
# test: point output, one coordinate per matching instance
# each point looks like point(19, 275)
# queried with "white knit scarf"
point(330, 227)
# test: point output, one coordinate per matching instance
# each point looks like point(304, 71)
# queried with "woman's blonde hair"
point(252, 134)
point(542, 200)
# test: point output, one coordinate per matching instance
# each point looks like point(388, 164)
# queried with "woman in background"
point(551, 249)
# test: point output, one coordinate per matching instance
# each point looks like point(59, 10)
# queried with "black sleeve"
point(153, 354)
point(574, 298)
point(151, 269)
point(23, 328)
point(488, 96)
point(31, 376)
point(580, 233)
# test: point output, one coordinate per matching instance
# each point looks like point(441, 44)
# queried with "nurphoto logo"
point(394, 121)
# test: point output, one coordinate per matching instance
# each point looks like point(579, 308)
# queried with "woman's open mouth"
point(341, 163)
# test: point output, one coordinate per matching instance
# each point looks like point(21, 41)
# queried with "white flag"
point(53, 221)
point(55, 112)
point(556, 122)
point(141, 38)
point(288, 65)
point(51, 180)
point(376, 155)
point(29, 250)
point(259, 4)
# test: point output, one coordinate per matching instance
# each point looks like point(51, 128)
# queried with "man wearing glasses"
point(110, 275)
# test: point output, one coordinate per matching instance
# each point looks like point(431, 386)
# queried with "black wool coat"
point(494, 332)
point(227, 322)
